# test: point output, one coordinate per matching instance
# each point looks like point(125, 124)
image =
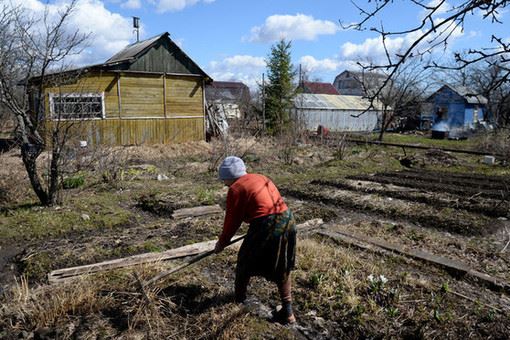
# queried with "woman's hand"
point(218, 248)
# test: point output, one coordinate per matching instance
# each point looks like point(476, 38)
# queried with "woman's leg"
point(284, 288)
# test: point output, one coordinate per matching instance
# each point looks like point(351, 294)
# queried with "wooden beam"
point(164, 95)
point(203, 108)
point(421, 147)
point(197, 211)
point(171, 254)
point(446, 263)
point(66, 274)
point(118, 96)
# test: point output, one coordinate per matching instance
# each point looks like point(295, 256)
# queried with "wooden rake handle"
point(188, 263)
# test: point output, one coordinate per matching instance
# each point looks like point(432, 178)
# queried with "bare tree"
point(401, 98)
point(434, 31)
point(487, 79)
point(30, 49)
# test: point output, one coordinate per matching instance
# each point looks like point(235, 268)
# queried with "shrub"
point(73, 182)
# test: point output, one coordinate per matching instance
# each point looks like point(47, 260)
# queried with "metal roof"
point(470, 96)
point(332, 102)
point(132, 50)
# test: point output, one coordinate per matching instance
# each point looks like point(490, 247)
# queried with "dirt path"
point(7, 268)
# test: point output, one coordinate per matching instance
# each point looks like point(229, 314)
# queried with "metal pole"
point(263, 104)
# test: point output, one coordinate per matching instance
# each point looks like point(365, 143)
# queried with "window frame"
point(52, 103)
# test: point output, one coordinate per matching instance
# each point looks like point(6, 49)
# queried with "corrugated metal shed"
point(336, 112)
point(329, 101)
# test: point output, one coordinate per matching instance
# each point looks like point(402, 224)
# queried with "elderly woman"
point(269, 247)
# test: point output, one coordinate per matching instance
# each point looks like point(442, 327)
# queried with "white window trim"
point(77, 94)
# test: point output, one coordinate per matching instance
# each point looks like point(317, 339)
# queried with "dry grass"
point(44, 306)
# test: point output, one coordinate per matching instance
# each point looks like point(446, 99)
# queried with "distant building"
point(230, 98)
point(8, 123)
point(336, 112)
point(459, 107)
point(8, 126)
point(317, 88)
point(351, 83)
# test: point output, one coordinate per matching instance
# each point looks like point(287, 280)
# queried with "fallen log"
point(448, 264)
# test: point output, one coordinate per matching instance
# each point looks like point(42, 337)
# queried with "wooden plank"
point(444, 262)
point(61, 275)
point(422, 147)
point(164, 97)
point(197, 211)
point(192, 249)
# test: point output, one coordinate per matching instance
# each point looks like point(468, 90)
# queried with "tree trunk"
point(29, 154)
point(383, 126)
point(56, 152)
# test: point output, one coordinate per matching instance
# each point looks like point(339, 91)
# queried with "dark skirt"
point(269, 249)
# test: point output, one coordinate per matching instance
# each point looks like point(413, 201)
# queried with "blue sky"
point(230, 39)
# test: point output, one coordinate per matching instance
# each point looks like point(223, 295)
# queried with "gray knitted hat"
point(232, 167)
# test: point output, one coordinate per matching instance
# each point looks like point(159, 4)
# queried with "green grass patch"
point(86, 211)
point(73, 182)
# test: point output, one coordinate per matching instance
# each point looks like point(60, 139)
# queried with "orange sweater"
point(251, 196)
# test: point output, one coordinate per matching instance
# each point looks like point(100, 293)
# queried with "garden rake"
point(188, 263)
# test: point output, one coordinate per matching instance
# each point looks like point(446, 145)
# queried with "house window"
point(77, 106)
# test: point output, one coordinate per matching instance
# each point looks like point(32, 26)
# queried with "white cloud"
point(292, 27)
point(310, 64)
point(324, 69)
point(132, 4)
point(373, 48)
point(109, 32)
point(245, 68)
point(176, 5)
point(443, 8)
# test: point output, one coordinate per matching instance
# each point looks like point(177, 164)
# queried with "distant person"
point(270, 244)
point(322, 131)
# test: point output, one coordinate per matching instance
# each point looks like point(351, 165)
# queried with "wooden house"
point(352, 83)
point(458, 107)
point(317, 88)
point(150, 92)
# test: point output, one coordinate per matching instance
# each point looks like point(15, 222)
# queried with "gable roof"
point(470, 96)
point(132, 55)
point(360, 75)
point(318, 88)
point(130, 59)
point(133, 50)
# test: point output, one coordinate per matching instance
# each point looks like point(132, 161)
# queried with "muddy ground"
point(451, 206)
